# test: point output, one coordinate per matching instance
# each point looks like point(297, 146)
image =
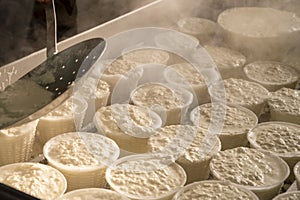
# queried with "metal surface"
point(51, 29)
point(63, 68)
point(55, 75)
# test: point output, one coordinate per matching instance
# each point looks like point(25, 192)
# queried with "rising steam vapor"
point(14, 27)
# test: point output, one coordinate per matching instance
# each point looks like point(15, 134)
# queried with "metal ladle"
point(55, 75)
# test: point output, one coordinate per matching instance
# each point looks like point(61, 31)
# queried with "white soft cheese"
point(146, 56)
point(200, 27)
point(278, 137)
point(143, 178)
point(81, 150)
point(66, 109)
point(169, 102)
point(228, 61)
point(92, 88)
point(192, 144)
point(156, 94)
point(272, 75)
point(285, 100)
point(239, 91)
point(296, 171)
point(96, 93)
point(236, 121)
point(188, 77)
point(259, 22)
point(127, 124)
point(175, 41)
point(65, 118)
point(38, 180)
point(288, 196)
point(248, 167)
point(132, 120)
point(261, 33)
point(92, 194)
point(120, 67)
point(121, 75)
point(217, 190)
point(187, 73)
point(244, 93)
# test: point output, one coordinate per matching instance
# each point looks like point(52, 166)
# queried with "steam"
point(94, 12)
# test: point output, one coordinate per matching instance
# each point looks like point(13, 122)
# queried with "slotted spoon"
point(53, 78)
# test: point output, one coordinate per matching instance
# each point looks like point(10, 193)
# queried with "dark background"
point(23, 24)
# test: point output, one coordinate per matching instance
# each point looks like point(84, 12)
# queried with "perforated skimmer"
point(49, 84)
